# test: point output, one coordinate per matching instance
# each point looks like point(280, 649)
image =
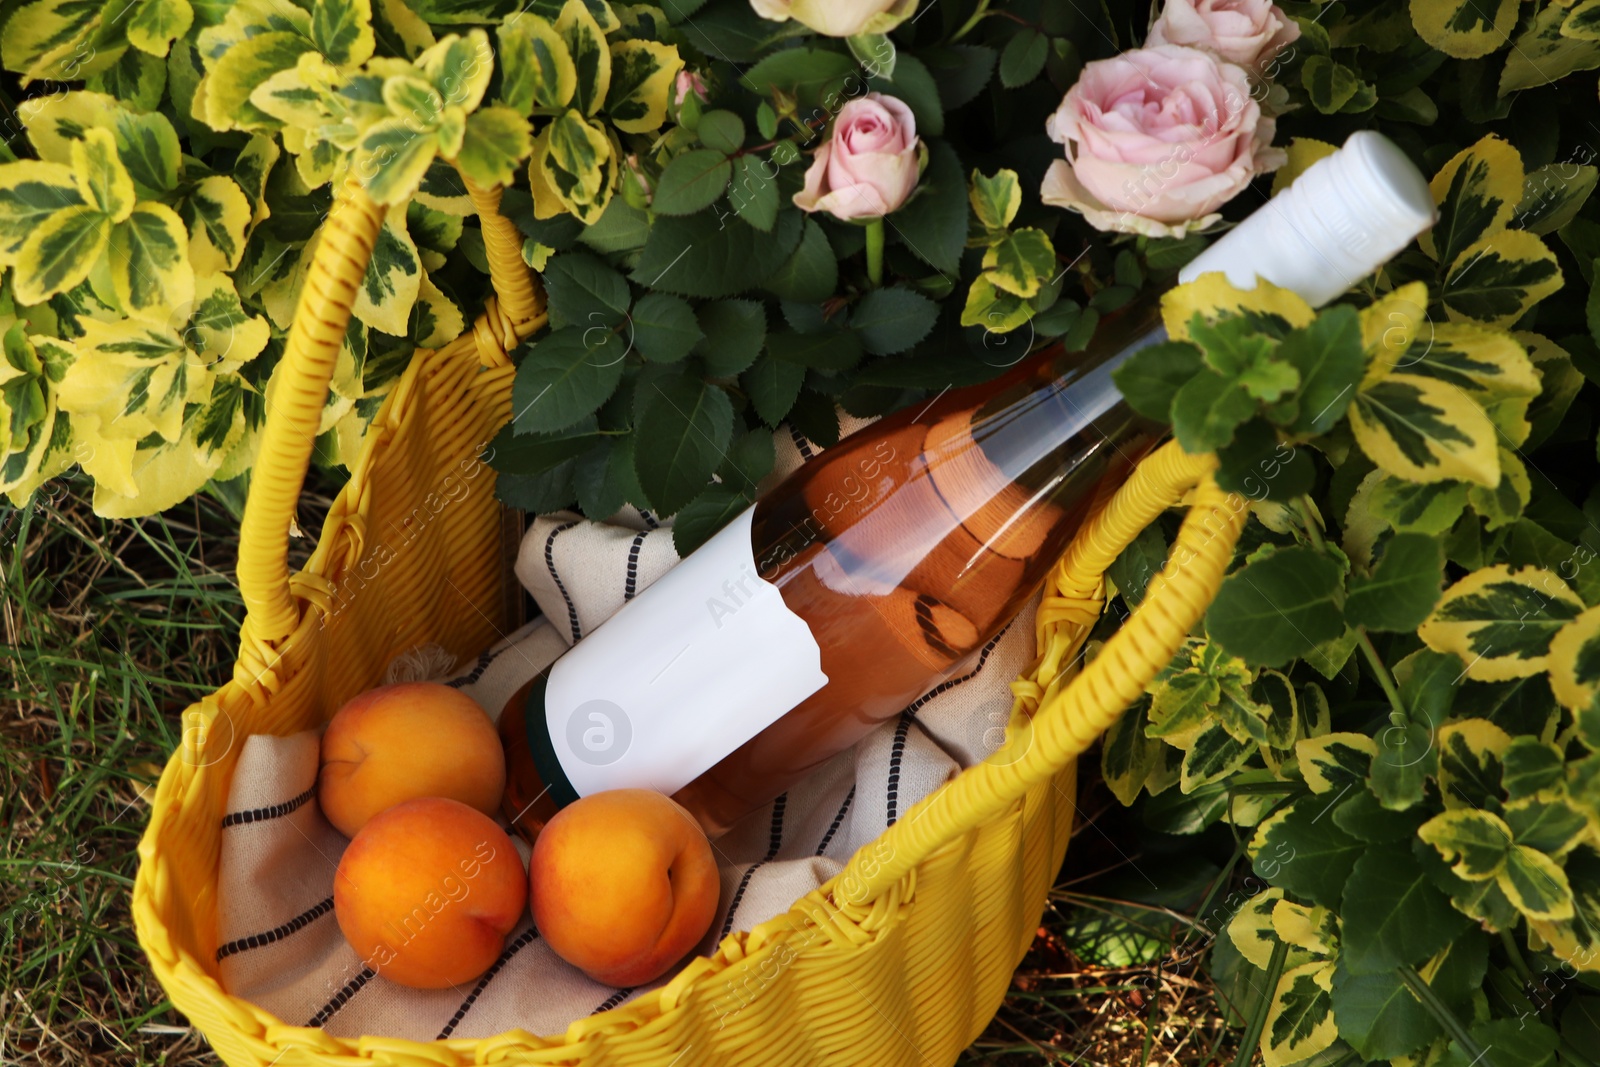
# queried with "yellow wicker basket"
point(901, 959)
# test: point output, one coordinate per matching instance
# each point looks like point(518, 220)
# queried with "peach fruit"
point(399, 742)
point(624, 885)
point(427, 892)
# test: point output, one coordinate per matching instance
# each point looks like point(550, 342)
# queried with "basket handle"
point(321, 317)
point(1072, 714)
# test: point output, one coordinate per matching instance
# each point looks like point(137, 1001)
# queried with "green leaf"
point(749, 460)
point(1303, 853)
point(773, 386)
point(664, 328)
point(1403, 587)
point(1392, 913)
point(1023, 58)
point(1260, 466)
point(1207, 409)
point(933, 223)
point(722, 131)
point(564, 377)
point(1329, 357)
point(1530, 767)
point(911, 82)
point(692, 182)
point(585, 291)
point(1542, 53)
point(1547, 823)
point(1400, 769)
point(893, 320)
point(703, 516)
point(698, 256)
point(688, 424)
point(1127, 756)
point(961, 71)
point(806, 74)
point(874, 51)
point(811, 273)
point(735, 332)
point(1378, 1015)
point(825, 350)
point(1553, 194)
point(1279, 607)
point(1152, 376)
point(535, 453)
point(753, 192)
point(604, 479)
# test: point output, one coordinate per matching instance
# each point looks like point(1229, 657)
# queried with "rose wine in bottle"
point(881, 566)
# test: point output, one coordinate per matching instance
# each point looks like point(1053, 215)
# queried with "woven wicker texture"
point(901, 959)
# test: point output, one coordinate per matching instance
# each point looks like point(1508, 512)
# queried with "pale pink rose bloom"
point(1157, 140)
point(687, 82)
point(869, 165)
point(1246, 32)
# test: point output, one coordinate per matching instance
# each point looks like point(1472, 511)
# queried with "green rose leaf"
point(564, 377)
point(688, 424)
point(721, 131)
point(806, 74)
point(535, 453)
point(697, 521)
point(692, 182)
point(773, 385)
point(664, 328)
point(1329, 358)
point(1023, 58)
point(1279, 607)
point(811, 274)
point(585, 291)
point(893, 320)
point(825, 350)
point(753, 191)
point(735, 332)
point(700, 255)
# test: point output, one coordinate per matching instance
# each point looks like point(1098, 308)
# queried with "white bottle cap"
point(1337, 223)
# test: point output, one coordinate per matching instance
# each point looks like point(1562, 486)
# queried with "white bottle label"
point(686, 672)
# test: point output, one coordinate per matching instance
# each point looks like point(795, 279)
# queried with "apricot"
point(399, 742)
point(624, 885)
point(427, 892)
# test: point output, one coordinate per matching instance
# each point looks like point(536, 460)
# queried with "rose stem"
point(875, 252)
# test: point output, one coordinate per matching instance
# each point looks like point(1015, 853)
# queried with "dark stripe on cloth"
point(276, 811)
point(277, 933)
point(649, 519)
point(773, 844)
point(949, 684)
point(895, 756)
point(341, 998)
point(550, 564)
point(528, 937)
point(484, 659)
point(613, 1000)
point(632, 585)
point(800, 443)
point(838, 821)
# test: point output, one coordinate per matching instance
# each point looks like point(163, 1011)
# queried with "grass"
point(111, 628)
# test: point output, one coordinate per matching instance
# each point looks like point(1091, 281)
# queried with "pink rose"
point(1157, 139)
point(687, 82)
point(869, 165)
point(1246, 32)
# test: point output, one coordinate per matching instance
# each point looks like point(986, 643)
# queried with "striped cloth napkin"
point(281, 947)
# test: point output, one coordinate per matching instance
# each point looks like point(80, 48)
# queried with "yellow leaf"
point(30, 192)
point(150, 260)
point(1478, 190)
point(1575, 660)
point(1391, 326)
point(1425, 430)
point(1465, 29)
point(1211, 295)
point(1251, 927)
point(102, 180)
point(1302, 152)
point(1501, 622)
point(59, 253)
point(1494, 281)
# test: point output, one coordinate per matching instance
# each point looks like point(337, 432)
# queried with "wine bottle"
point(882, 565)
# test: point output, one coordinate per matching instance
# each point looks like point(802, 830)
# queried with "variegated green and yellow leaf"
point(137, 78)
point(1390, 328)
point(1300, 1022)
point(299, 96)
point(58, 121)
point(222, 335)
point(1020, 262)
point(591, 56)
point(1470, 764)
point(1575, 661)
point(1477, 191)
point(134, 379)
point(1212, 756)
point(1127, 756)
point(159, 478)
point(1582, 21)
point(1502, 505)
point(59, 253)
point(1536, 885)
point(410, 29)
point(1546, 821)
point(1497, 279)
point(30, 193)
point(577, 164)
point(1474, 842)
point(435, 319)
point(536, 70)
point(1181, 706)
point(1576, 940)
point(392, 158)
point(459, 68)
point(1276, 310)
point(1332, 761)
point(218, 215)
point(1311, 927)
point(642, 74)
point(342, 31)
point(1418, 507)
point(103, 182)
point(992, 308)
point(236, 73)
point(56, 39)
point(1486, 364)
point(1465, 29)
point(496, 140)
point(251, 170)
point(51, 447)
point(150, 260)
point(155, 24)
point(394, 273)
point(1543, 53)
point(1423, 430)
point(1501, 622)
point(1251, 929)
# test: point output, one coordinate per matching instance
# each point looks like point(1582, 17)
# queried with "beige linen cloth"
point(280, 944)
